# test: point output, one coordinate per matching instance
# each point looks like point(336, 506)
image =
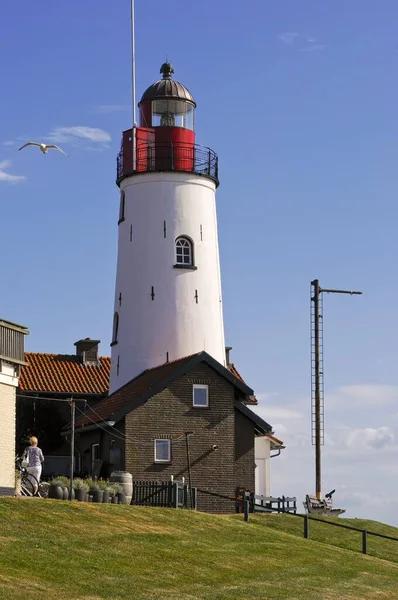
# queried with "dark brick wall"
point(169, 414)
point(244, 452)
point(108, 441)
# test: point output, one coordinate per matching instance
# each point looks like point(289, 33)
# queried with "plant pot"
point(80, 495)
point(98, 495)
point(66, 493)
point(121, 498)
point(105, 497)
point(89, 498)
point(114, 500)
point(56, 492)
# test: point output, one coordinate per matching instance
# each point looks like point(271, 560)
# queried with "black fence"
point(306, 525)
point(174, 156)
point(166, 494)
point(257, 503)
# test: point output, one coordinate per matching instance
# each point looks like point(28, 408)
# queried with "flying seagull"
point(43, 147)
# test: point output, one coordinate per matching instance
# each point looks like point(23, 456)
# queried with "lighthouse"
point(168, 302)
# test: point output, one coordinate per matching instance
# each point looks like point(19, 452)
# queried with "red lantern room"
point(165, 139)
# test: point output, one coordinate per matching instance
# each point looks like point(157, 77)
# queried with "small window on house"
point(162, 451)
point(121, 208)
point(115, 328)
point(95, 455)
point(184, 252)
point(201, 396)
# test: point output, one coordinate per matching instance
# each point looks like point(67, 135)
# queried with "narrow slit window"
point(115, 328)
point(122, 206)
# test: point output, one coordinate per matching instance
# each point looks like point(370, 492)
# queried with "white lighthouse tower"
point(168, 288)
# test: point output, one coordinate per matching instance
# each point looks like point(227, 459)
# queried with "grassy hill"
point(75, 551)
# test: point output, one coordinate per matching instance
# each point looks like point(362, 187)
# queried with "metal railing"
point(173, 156)
point(306, 525)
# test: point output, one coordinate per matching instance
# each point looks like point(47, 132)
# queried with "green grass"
point(76, 551)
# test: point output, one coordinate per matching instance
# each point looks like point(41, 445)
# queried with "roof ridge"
point(59, 354)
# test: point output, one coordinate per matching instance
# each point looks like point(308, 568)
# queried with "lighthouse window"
point(115, 328)
point(184, 252)
point(121, 208)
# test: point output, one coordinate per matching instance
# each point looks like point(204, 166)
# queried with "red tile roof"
point(276, 441)
point(149, 383)
point(64, 373)
point(108, 407)
point(252, 401)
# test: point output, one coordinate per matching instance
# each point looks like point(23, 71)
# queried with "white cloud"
point(359, 454)
point(301, 42)
point(4, 176)
point(279, 412)
point(288, 38)
point(371, 437)
point(362, 395)
point(79, 133)
point(110, 108)
point(8, 143)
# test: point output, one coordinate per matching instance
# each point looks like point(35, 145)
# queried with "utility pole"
point(72, 447)
point(187, 434)
point(317, 395)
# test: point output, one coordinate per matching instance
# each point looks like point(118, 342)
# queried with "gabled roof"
point(251, 400)
point(64, 373)
point(148, 384)
point(261, 426)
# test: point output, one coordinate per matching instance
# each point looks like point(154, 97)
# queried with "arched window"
point(115, 328)
point(184, 252)
point(121, 208)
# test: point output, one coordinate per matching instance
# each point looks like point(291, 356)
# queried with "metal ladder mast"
point(317, 382)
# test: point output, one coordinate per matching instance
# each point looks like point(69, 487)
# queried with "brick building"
point(142, 428)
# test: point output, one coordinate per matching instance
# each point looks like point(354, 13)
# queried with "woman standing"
point(35, 457)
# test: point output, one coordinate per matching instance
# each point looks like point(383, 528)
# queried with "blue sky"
point(299, 100)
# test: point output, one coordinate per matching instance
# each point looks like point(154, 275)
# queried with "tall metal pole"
point(318, 473)
point(72, 447)
point(133, 84)
point(187, 434)
point(317, 290)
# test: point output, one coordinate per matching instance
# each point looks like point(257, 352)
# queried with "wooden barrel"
point(126, 481)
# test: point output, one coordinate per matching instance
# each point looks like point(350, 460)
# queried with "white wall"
point(173, 322)
point(262, 453)
point(8, 383)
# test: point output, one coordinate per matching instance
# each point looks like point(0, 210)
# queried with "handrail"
point(307, 518)
point(152, 156)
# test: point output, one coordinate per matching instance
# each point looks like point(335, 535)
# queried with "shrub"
point(80, 484)
point(58, 481)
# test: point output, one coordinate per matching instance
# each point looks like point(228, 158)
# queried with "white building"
point(11, 360)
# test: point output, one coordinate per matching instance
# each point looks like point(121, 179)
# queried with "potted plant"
point(96, 492)
point(65, 484)
point(104, 487)
point(81, 488)
point(56, 490)
point(113, 489)
point(120, 495)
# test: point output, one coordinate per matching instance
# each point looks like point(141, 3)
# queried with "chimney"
point(87, 350)
point(227, 351)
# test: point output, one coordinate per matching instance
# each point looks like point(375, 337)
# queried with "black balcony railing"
point(176, 156)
